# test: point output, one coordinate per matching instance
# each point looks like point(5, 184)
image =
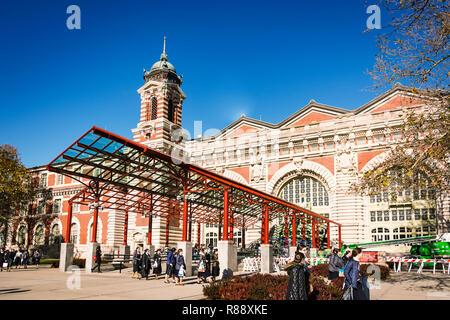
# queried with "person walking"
point(26, 259)
point(180, 267)
point(170, 267)
point(2, 259)
point(97, 259)
point(203, 266)
point(298, 285)
point(36, 258)
point(335, 264)
point(136, 262)
point(354, 277)
point(157, 263)
point(146, 264)
point(215, 272)
point(18, 258)
point(9, 257)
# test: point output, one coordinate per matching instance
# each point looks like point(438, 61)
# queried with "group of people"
point(355, 283)
point(17, 258)
point(143, 264)
point(208, 265)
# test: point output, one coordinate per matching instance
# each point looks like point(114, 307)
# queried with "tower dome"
point(162, 70)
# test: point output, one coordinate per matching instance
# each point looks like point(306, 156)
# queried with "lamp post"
point(94, 207)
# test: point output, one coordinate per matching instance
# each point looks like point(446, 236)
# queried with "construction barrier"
point(254, 264)
point(411, 261)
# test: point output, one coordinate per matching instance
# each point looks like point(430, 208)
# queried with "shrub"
point(321, 270)
point(266, 287)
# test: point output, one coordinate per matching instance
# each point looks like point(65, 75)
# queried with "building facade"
point(311, 158)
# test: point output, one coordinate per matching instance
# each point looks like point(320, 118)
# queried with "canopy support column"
point(94, 223)
point(198, 233)
point(185, 218)
point(328, 235)
point(125, 229)
point(340, 243)
point(150, 226)
point(69, 223)
point(313, 233)
point(225, 214)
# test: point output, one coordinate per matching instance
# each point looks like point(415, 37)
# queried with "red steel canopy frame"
point(125, 175)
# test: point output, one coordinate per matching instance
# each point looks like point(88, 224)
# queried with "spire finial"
point(164, 50)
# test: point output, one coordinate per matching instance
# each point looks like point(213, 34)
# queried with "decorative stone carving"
point(346, 160)
point(256, 168)
point(298, 162)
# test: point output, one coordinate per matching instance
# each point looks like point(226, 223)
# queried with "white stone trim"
point(235, 176)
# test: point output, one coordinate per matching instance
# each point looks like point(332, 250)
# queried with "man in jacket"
point(146, 264)
point(170, 267)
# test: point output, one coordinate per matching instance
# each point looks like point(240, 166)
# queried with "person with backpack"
point(157, 263)
point(203, 266)
point(146, 264)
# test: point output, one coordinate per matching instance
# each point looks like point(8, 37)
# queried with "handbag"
point(348, 293)
point(181, 272)
point(5, 264)
point(155, 264)
point(95, 258)
point(201, 267)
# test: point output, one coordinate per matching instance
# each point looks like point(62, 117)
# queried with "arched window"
point(211, 237)
point(170, 111)
point(307, 192)
point(74, 233)
point(55, 235)
point(154, 108)
point(98, 237)
point(380, 234)
point(21, 236)
point(39, 235)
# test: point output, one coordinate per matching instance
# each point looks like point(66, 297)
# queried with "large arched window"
point(74, 233)
point(39, 235)
point(154, 108)
point(21, 236)
point(55, 235)
point(211, 237)
point(307, 192)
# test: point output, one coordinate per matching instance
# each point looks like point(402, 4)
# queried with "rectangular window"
point(386, 215)
point(59, 179)
point(424, 214)
point(386, 237)
point(417, 214)
point(394, 215)
point(379, 197)
point(395, 236)
point(43, 180)
point(408, 214)
point(401, 215)
point(416, 195)
point(385, 197)
point(431, 194)
point(423, 194)
point(372, 198)
point(76, 207)
point(372, 216)
point(41, 207)
point(57, 206)
point(432, 213)
point(379, 215)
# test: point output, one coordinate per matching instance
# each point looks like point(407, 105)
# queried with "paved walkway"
point(49, 284)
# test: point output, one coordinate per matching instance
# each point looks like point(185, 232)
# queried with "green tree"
point(414, 49)
point(16, 186)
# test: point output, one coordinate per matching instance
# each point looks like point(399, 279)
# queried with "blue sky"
point(266, 59)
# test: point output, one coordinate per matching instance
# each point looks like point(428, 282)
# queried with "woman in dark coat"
point(146, 264)
point(98, 259)
point(334, 265)
point(203, 266)
point(298, 285)
point(215, 272)
point(180, 267)
point(170, 267)
point(354, 278)
point(157, 263)
point(26, 258)
point(137, 263)
point(36, 258)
